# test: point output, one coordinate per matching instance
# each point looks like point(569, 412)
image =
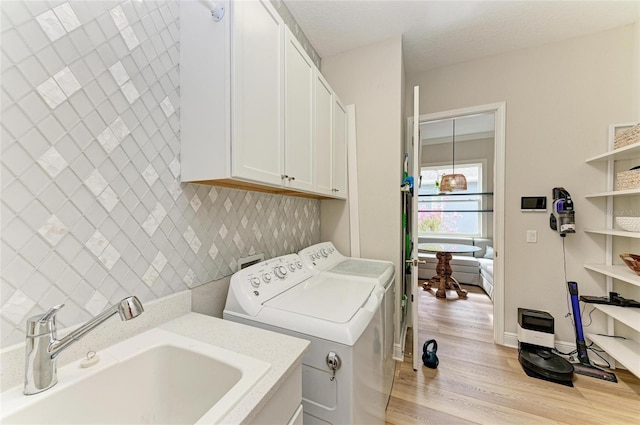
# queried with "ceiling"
point(441, 33)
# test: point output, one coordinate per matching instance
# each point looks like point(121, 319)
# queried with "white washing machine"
point(341, 377)
point(325, 260)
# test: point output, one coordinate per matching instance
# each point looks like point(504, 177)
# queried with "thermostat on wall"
point(533, 203)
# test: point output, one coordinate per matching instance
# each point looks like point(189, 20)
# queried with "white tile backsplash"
point(92, 206)
point(17, 48)
point(51, 93)
point(17, 307)
point(53, 230)
point(51, 25)
point(67, 17)
point(67, 81)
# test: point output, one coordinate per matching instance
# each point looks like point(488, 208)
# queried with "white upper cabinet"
point(299, 74)
point(247, 93)
point(339, 157)
point(257, 92)
point(330, 138)
point(323, 134)
point(231, 93)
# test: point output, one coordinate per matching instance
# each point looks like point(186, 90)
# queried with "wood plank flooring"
point(479, 382)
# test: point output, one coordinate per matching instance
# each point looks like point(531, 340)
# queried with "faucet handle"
point(43, 323)
point(51, 313)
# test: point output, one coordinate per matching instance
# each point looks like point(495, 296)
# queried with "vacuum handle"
point(581, 345)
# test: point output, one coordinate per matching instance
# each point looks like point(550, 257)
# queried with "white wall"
point(371, 78)
point(560, 99)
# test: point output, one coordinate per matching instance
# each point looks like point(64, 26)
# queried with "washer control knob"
point(281, 272)
point(324, 252)
point(299, 264)
point(292, 267)
point(255, 282)
point(266, 277)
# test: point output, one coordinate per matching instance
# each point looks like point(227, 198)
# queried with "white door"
point(414, 259)
point(339, 149)
point(322, 133)
point(298, 105)
point(257, 92)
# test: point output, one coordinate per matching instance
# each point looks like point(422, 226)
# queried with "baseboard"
point(511, 340)
point(398, 348)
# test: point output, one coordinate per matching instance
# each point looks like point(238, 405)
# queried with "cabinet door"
point(257, 92)
point(323, 134)
point(298, 147)
point(339, 160)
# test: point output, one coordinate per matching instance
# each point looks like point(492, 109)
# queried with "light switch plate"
point(532, 236)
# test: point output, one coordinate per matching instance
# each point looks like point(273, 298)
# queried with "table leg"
point(443, 269)
point(462, 293)
point(443, 278)
point(426, 285)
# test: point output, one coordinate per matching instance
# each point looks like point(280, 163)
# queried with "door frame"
point(499, 111)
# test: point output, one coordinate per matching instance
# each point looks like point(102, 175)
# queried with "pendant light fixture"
point(453, 182)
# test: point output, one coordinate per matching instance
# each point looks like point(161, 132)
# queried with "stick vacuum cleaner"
point(584, 367)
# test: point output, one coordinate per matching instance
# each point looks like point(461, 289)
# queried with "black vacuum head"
point(594, 372)
point(543, 364)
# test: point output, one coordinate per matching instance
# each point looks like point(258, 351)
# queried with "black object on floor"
point(594, 372)
point(539, 362)
point(429, 357)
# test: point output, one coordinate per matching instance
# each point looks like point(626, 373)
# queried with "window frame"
point(482, 202)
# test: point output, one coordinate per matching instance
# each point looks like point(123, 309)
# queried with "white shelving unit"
point(626, 352)
point(616, 271)
point(612, 232)
point(630, 192)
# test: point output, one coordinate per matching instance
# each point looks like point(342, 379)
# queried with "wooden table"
point(443, 276)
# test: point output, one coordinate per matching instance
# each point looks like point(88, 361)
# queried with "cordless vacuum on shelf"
point(562, 218)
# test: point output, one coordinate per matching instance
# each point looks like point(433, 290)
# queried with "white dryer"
point(325, 260)
point(341, 377)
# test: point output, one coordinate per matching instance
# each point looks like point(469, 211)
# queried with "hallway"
point(479, 382)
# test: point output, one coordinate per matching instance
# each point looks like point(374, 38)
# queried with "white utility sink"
point(157, 377)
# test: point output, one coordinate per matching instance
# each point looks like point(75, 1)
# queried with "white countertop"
point(281, 351)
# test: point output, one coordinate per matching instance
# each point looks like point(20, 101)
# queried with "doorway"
point(498, 110)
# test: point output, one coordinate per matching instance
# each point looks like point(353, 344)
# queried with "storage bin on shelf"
point(629, 179)
point(630, 224)
point(627, 136)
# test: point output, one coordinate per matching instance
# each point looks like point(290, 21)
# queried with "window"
point(459, 213)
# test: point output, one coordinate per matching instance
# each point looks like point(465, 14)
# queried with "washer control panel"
point(321, 256)
point(267, 279)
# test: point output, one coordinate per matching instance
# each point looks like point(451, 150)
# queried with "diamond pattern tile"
point(92, 204)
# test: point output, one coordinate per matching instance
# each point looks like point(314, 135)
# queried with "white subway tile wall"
point(92, 208)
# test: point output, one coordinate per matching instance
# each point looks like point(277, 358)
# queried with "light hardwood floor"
point(479, 382)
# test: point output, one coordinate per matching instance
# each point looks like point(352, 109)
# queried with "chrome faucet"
point(43, 346)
